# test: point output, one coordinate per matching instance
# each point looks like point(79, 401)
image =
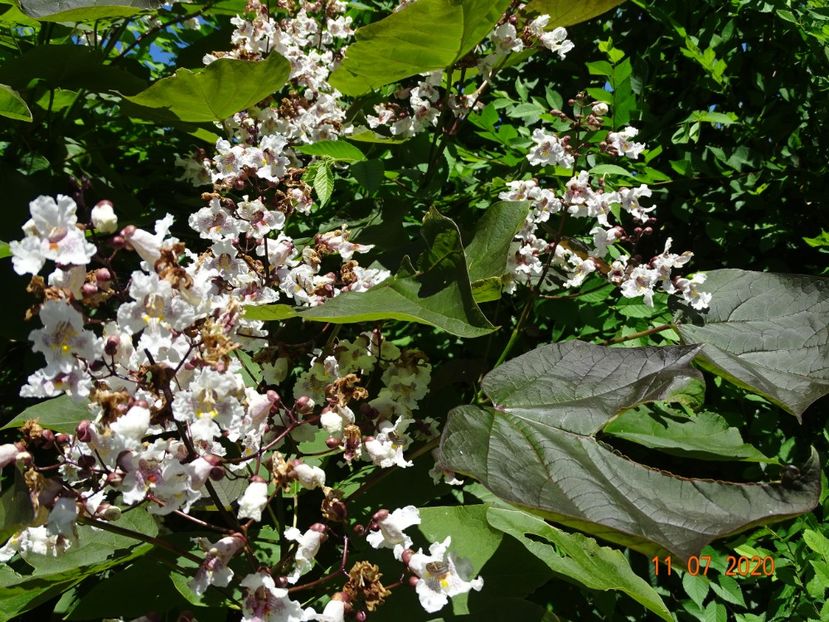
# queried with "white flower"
point(51, 233)
point(386, 448)
point(253, 501)
point(309, 477)
point(8, 454)
point(334, 612)
point(640, 283)
point(213, 570)
point(557, 41)
point(265, 602)
point(104, 218)
point(441, 576)
point(623, 142)
point(390, 535)
point(63, 339)
point(309, 545)
point(549, 150)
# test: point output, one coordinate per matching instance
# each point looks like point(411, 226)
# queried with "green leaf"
point(537, 447)
point(766, 333)
point(438, 295)
point(609, 169)
point(472, 536)
point(365, 135)
point(218, 91)
point(577, 558)
point(271, 313)
point(84, 10)
point(426, 35)
point(567, 12)
point(95, 546)
point(696, 587)
point(817, 542)
point(705, 436)
point(339, 150)
point(728, 590)
point(60, 414)
point(324, 182)
point(5, 250)
point(369, 174)
point(706, 116)
point(13, 106)
point(68, 66)
point(16, 509)
point(487, 253)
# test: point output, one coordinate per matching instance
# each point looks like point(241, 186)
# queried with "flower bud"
point(304, 405)
point(104, 218)
point(359, 531)
point(413, 580)
point(217, 473)
point(600, 109)
point(84, 431)
point(112, 343)
point(118, 242)
point(86, 462)
point(361, 616)
point(332, 443)
point(47, 437)
point(102, 275)
point(114, 478)
point(381, 515)
point(281, 582)
point(111, 513)
point(406, 556)
point(318, 527)
point(89, 289)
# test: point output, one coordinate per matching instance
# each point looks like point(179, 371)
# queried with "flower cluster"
point(566, 261)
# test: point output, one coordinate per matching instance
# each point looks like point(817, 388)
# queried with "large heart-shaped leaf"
point(218, 91)
point(439, 294)
point(487, 253)
point(567, 12)
point(577, 558)
point(768, 333)
point(424, 36)
point(537, 448)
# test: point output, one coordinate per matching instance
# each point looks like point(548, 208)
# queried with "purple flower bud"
point(84, 431)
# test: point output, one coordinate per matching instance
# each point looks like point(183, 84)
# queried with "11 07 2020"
point(741, 566)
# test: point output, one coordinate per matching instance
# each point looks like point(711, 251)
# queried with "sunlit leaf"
point(426, 35)
point(218, 91)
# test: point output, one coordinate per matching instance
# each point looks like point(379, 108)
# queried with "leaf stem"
point(641, 333)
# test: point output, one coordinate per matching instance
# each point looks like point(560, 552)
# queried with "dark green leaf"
point(426, 35)
point(68, 66)
point(487, 253)
point(218, 91)
point(537, 448)
point(767, 333)
point(16, 509)
point(438, 295)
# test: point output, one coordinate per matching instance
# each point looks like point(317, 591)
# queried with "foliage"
point(383, 261)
